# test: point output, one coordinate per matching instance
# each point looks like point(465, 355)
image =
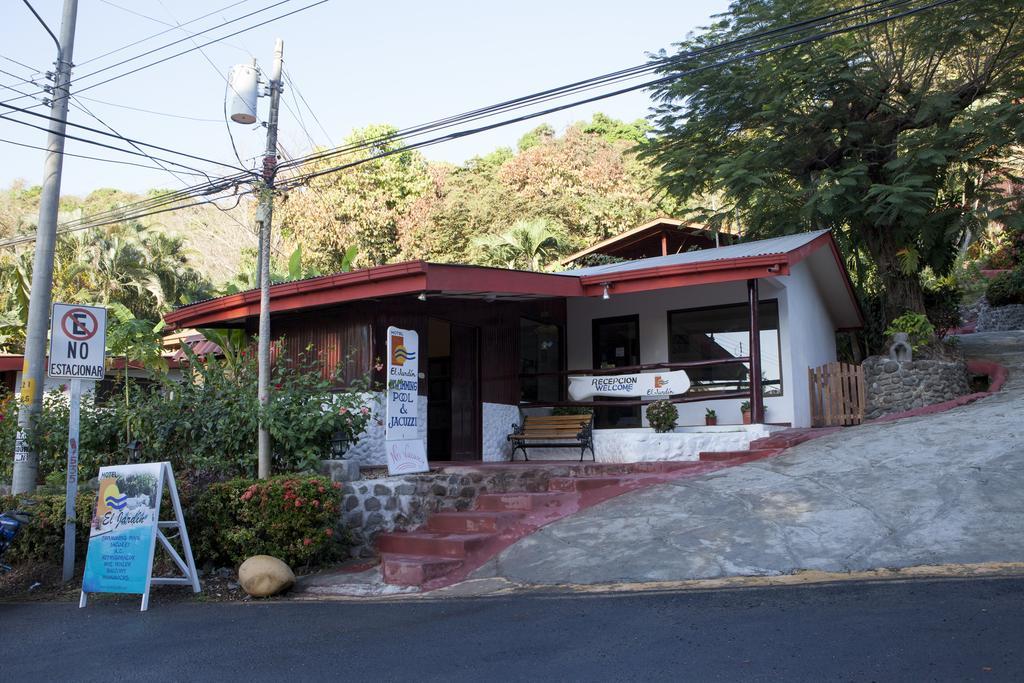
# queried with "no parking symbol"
point(78, 340)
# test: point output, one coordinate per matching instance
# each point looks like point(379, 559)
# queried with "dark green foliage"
point(895, 137)
point(42, 540)
point(204, 425)
point(1006, 289)
point(291, 517)
point(942, 305)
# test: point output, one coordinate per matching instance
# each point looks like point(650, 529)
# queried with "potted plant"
point(710, 417)
point(745, 409)
point(662, 415)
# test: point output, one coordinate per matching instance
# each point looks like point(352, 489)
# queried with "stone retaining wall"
point(373, 506)
point(1000, 318)
point(895, 386)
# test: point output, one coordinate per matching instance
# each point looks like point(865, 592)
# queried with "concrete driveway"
point(945, 488)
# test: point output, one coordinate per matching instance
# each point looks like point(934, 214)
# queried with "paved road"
point(946, 488)
point(949, 630)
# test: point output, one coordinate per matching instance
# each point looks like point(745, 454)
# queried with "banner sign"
point(405, 449)
point(78, 342)
point(125, 530)
point(645, 385)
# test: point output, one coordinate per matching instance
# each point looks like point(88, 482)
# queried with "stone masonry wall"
point(1000, 318)
point(373, 506)
point(895, 386)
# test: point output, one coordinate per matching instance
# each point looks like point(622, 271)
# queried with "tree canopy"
point(897, 137)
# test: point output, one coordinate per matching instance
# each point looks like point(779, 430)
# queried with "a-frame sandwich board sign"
point(125, 528)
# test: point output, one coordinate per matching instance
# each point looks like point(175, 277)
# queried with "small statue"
point(900, 349)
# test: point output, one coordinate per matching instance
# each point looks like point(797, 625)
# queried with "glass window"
point(723, 332)
point(540, 351)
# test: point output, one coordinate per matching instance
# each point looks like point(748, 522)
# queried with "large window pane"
point(722, 332)
point(540, 351)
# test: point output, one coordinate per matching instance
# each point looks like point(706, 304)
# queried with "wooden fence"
point(837, 395)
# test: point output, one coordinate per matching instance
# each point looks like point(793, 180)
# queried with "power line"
point(147, 111)
point(449, 120)
point(295, 87)
point(184, 52)
point(100, 132)
point(156, 35)
point(36, 14)
point(599, 81)
point(21, 64)
point(141, 209)
point(647, 84)
point(100, 144)
point(75, 101)
point(91, 158)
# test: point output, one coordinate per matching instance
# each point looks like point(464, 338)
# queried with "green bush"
point(205, 425)
point(942, 304)
point(662, 415)
point(920, 332)
point(42, 540)
point(1006, 289)
point(290, 517)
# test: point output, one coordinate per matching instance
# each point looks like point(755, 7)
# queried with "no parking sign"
point(78, 342)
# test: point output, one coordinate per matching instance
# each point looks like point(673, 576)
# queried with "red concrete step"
point(473, 521)
point(582, 483)
point(415, 570)
point(522, 502)
point(430, 543)
point(718, 456)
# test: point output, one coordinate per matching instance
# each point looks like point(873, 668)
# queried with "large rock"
point(263, 575)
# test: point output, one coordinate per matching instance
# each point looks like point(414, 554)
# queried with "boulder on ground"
point(262, 575)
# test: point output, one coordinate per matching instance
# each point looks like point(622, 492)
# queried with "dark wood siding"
point(356, 332)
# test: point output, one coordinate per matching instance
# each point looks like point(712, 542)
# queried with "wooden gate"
point(837, 395)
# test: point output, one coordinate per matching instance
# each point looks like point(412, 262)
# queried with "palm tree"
point(528, 245)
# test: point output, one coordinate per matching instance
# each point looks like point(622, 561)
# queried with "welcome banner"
point(644, 385)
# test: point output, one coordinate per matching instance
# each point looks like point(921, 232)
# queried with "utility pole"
point(26, 461)
point(264, 215)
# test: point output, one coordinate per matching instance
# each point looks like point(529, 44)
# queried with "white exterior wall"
point(815, 340)
point(800, 308)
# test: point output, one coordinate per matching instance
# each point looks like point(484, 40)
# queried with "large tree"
point(895, 136)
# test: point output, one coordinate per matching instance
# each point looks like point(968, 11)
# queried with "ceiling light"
point(422, 296)
point(605, 295)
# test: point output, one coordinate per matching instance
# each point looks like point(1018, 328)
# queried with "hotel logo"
point(400, 354)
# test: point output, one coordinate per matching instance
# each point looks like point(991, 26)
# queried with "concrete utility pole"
point(264, 215)
point(26, 461)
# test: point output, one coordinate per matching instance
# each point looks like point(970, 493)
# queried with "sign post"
point(405, 450)
point(78, 346)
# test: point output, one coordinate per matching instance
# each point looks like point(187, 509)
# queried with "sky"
point(354, 63)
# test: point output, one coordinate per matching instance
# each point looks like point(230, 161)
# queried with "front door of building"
point(616, 345)
point(453, 391)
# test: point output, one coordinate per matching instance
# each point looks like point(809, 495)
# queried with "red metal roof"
point(727, 264)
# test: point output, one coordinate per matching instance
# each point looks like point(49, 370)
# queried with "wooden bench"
point(540, 431)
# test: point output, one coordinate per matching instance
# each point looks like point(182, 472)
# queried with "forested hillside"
point(552, 195)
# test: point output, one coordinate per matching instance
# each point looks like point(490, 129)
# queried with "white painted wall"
point(813, 336)
point(806, 337)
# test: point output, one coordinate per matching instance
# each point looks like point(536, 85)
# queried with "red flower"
point(336, 485)
point(329, 532)
point(298, 503)
point(307, 541)
point(316, 503)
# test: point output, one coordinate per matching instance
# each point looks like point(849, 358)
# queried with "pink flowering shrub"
point(292, 517)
